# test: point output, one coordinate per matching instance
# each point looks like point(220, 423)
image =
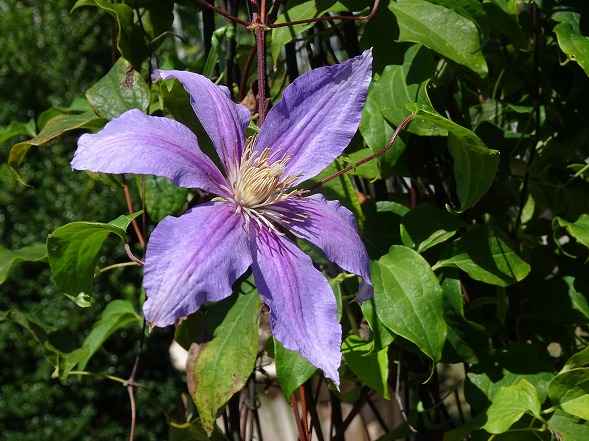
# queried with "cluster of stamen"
point(257, 182)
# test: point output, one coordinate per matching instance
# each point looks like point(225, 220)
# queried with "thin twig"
point(331, 17)
point(131, 211)
point(369, 158)
point(315, 423)
point(132, 256)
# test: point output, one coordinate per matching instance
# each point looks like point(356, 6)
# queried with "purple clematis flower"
point(196, 257)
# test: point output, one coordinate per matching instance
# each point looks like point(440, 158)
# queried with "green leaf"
point(66, 362)
point(292, 369)
point(467, 341)
point(162, 197)
point(117, 314)
point(55, 127)
point(475, 165)
point(578, 360)
point(485, 256)
point(371, 368)
point(578, 229)
point(474, 171)
point(226, 361)
point(193, 431)
point(377, 133)
point(131, 42)
point(36, 330)
point(570, 390)
point(381, 226)
point(509, 365)
point(502, 15)
point(16, 128)
point(426, 226)
point(121, 89)
point(470, 9)
point(31, 253)
point(567, 427)
point(442, 30)
point(573, 44)
point(408, 299)
point(400, 85)
point(510, 404)
point(382, 336)
point(73, 252)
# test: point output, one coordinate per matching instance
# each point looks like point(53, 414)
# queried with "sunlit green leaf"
point(509, 404)
point(292, 369)
point(398, 86)
point(408, 299)
point(55, 127)
point(573, 44)
point(162, 197)
point(441, 29)
point(567, 427)
point(485, 256)
point(509, 365)
point(16, 128)
point(570, 390)
point(226, 361)
point(372, 368)
point(475, 165)
point(73, 252)
point(578, 229)
point(121, 89)
point(580, 359)
point(117, 314)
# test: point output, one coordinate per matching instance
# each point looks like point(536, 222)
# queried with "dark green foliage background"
point(47, 58)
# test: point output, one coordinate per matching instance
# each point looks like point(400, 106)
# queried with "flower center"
point(258, 181)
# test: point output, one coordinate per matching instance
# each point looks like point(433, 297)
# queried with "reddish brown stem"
point(224, 14)
point(370, 158)
point(297, 416)
point(134, 221)
point(290, 23)
point(259, 32)
point(304, 412)
point(331, 17)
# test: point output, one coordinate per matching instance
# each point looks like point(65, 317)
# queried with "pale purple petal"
point(332, 228)
point(193, 259)
point(148, 145)
point(302, 304)
point(318, 115)
point(223, 120)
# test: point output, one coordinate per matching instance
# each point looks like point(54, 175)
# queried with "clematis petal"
point(332, 228)
point(302, 304)
point(193, 259)
point(149, 145)
point(223, 120)
point(318, 115)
